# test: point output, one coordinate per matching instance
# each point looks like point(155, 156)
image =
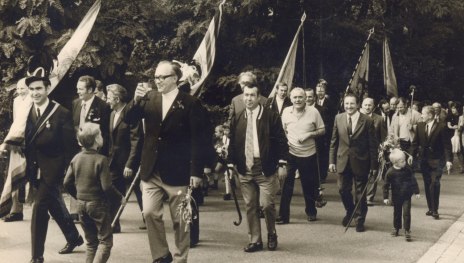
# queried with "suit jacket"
point(380, 127)
point(271, 103)
point(237, 105)
point(271, 138)
point(360, 150)
point(125, 144)
point(434, 149)
point(51, 146)
point(98, 113)
point(172, 147)
point(328, 111)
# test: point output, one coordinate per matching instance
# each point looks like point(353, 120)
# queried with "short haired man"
point(171, 156)
point(404, 124)
point(302, 124)
point(125, 144)
point(434, 149)
point(280, 101)
point(50, 146)
point(353, 155)
point(257, 146)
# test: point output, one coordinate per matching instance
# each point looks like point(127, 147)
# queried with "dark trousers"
point(48, 199)
point(405, 146)
point(115, 201)
point(432, 177)
point(323, 146)
point(307, 166)
point(345, 185)
point(402, 207)
point(197, 195)
point(96, 222)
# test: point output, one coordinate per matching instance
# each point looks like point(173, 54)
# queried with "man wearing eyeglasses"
point(171, 156)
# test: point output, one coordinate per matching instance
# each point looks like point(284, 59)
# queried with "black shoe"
point(360, 227)
point(429, 213)
point(312, 218)
point(281, 221)
point(143, 227)
point(37, 260)
point(193, 243)
point(214, 186)
point(227, 197)
point(346, 220)
point(272, 241)
point(435, 215)
point(71, 246)
point(13, 217)
point(165, 259)
point(407, 235)
point(253, 247)
point(370, 203)
point(394, 233)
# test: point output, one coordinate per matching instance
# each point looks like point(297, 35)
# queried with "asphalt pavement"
point(324, 240)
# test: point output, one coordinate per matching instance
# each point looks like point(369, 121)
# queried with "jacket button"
point(159, 138)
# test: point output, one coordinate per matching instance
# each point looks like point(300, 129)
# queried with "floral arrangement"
point(386, 147)
point(184, 209)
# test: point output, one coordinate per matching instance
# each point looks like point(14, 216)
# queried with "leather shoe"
point(272, 241)
point(253, 247)
point(37, 260)
point(312, 218)
point(395, 232)
point(346, 220)
point(13, 217)
point(407, 235)
point(435, 215)
point(116, 229)
point(360, 227)
point(281, 221)
point(428, 213)
point(71, 246)
point(165, 259)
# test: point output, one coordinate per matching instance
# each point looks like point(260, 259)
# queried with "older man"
point(353, 155)
point(125, 143)
point(257, 146)
point(171, 156)
point(302, 124)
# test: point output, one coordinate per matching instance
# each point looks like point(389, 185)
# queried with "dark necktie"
point(350, 126)
point(38, 114)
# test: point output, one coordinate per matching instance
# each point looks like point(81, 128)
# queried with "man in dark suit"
point(171, 156)
point(125, 145)
point(280, 100)
point(381, 133)
point(327, 109)
point(353, 155)
point(384, 112)
point(248, 79)
point(257, 146)
point(434, 149)
point(90, 108)
point(50, 145)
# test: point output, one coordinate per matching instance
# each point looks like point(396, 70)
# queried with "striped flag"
point(16, 176)
point(288, 68)
point(360, 78)
point(206, 52)
point(389, 78)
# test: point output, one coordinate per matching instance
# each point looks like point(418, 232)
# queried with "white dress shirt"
point(280, 103)
point(116, 116)
point(41, 108)
point(354, 120)
point(167, 100)
point(87, 104)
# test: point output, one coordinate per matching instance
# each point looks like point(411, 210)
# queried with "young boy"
point(88, 180)
point(403, 185)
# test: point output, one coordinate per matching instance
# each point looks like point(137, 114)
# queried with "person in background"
point(280, 100)
point(100, 90)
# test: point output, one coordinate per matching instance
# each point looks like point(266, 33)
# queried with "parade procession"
point(231, 131)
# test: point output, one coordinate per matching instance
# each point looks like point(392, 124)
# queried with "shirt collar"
point(171, 95)
point(88, 102)
point(43, 107)
point(354, 116)
point(122, 108)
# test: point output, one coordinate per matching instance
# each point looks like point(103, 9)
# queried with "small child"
point(88, 180)
point(403, 185)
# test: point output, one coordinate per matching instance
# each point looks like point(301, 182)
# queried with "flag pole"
point(371, 31)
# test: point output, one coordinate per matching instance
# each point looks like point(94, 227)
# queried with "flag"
point(389, 78)
point(72, 48)
point(360, 77)
point(16, 176)
point(206, 52)
point(288, 68)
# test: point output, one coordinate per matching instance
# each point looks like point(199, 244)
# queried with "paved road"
point(300, 241)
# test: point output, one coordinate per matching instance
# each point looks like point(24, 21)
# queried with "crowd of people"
point(164, 140)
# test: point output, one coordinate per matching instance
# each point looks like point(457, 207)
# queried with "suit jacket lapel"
point(175, 104)
point(112, 120)
point(432, 131)
point(359, 124)
point(38, 126)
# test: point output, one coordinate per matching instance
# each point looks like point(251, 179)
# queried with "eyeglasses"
point(163, 77)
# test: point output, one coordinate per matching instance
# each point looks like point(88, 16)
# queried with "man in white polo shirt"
point(302, 124)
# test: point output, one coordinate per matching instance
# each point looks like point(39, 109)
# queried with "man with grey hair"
point(302, 124)
point(125, 144)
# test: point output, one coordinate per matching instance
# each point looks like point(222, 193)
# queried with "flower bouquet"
point(184, 209)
